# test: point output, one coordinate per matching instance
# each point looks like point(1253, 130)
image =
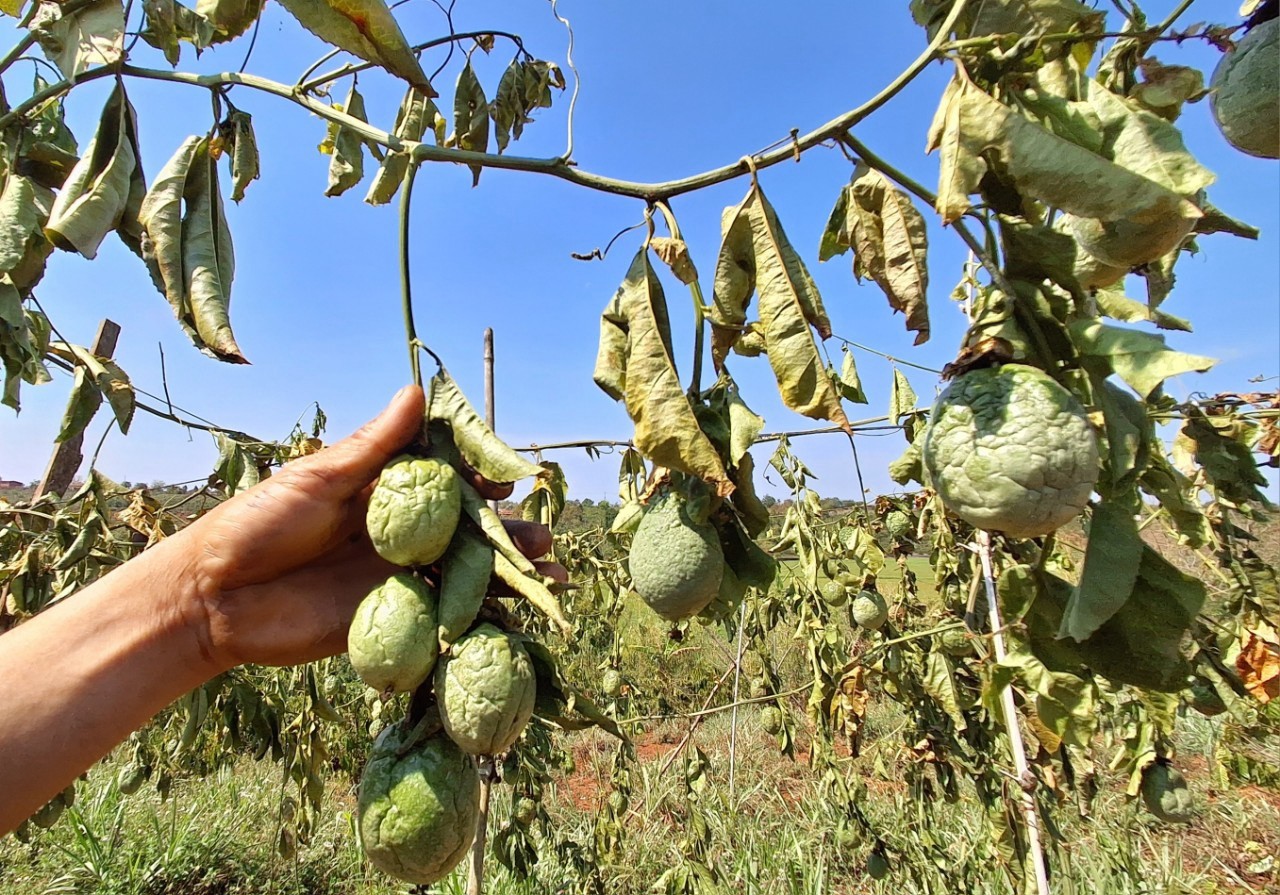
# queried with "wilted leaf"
point(1064, 703)
point(470, 117)
point(753, 566)
point(1140, 645)
point(1140, 359)
point(635, 364)
point(753, 513)
point(756, 256)
point(187, 247)
point(1259, 666)
point(909, 467)
point(229, 18)
point(24, 209)
point(96, 195)
point(479, 446)
point(81, 406)
point(1112, 302)
point(1178, 498)
point(417, 116)
point(887, 234)
point(1110, 570)
point(850, 382)
point(1223, 457)
point(1053, 170)
point(1165, 88)
point(244, 153)
point(1029, 18)
point(1129, 436)
point(87, 38)
point(675, 254)
point(545, 502)
point(902, 398)
point(469, 559)
point(346, 162)
point(1146, 144)
point(169, 23)
point(364, 28)
point(939, 682)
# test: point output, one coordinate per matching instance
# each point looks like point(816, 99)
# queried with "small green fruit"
point(612, 683)
point(676, 563)
point(486, 690)
point(1165, 793)
point(834, 593)
point(414, 510)
point(869, 610)
point(417, 805)
point(393, 641)
point(526, 811)
point(877, 865)
point(956, 642)
point(1204, 697)
point(771, 720)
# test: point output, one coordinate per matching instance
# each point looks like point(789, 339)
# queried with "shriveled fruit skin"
point(869, 610)
point(417, 810)
point(1243, 92)
point(1165, 793)
point(956, 643)
point(392, 641)
point(676, 564)
point(413, 510)
point(1008, 449)
point(486, 690)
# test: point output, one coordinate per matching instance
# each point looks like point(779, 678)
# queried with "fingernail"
point(400, 394)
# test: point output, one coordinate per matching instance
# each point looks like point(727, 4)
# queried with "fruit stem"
point(1026, 780)
point(406, 286)
point(475, 877)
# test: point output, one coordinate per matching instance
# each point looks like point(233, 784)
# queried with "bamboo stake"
point(1026, 780)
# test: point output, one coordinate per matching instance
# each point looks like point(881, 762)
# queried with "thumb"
point(356, 460)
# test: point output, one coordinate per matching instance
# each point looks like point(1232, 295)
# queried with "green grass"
point(773, 834)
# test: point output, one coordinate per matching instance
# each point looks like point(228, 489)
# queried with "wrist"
point(186, 593)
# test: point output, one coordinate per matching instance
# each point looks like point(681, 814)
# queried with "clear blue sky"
point(668, 89)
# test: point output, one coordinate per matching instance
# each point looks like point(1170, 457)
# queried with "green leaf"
point(744, 425)
point(229, 18)
point(483, 451)
point(1146, 144)
point(939, 682)
point(1030, 18)
point(749, 562)
point(87, 38)
point(236, 467)
point(346, 161)
point(1140, 359)
point(1112, 302)
point(1044, 166)
point(24, 209)
point(464, 581)
point(1064, 703)
point(753, 513)
point(890, 245)
point(169, 23)
point(1219, 448)
point(634, 364)
point(909, 467)
point(1130, 435)
point(1110, 570)
point(364, 28)
point(107, 378)
point(1140, 645)
point(12, 7)
point(1178, 497)
point(835, 238)
point(244, 153)
point(94, 199)
point(508, 103)
point(735, 280)
point(416, 116)
point(470, 117)
point(81, 406)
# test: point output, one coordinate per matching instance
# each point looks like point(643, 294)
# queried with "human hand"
point(282, 567)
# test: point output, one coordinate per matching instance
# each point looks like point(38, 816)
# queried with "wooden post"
point(489, 415)
point(67, 456)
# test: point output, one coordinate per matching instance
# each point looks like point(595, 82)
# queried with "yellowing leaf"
point(87, 38)
point(635, 365)
point(365, 28)
point(417, 116)
point(1259, 666)
point(346, 158)
point(1043, 166)
point(229, 18)
point(756, 257)
point(187, 247)
point(95, 197)
point(244, 153)
point(470, 117)
point(1140, 359)
point(675, 254)
point(169, 23)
